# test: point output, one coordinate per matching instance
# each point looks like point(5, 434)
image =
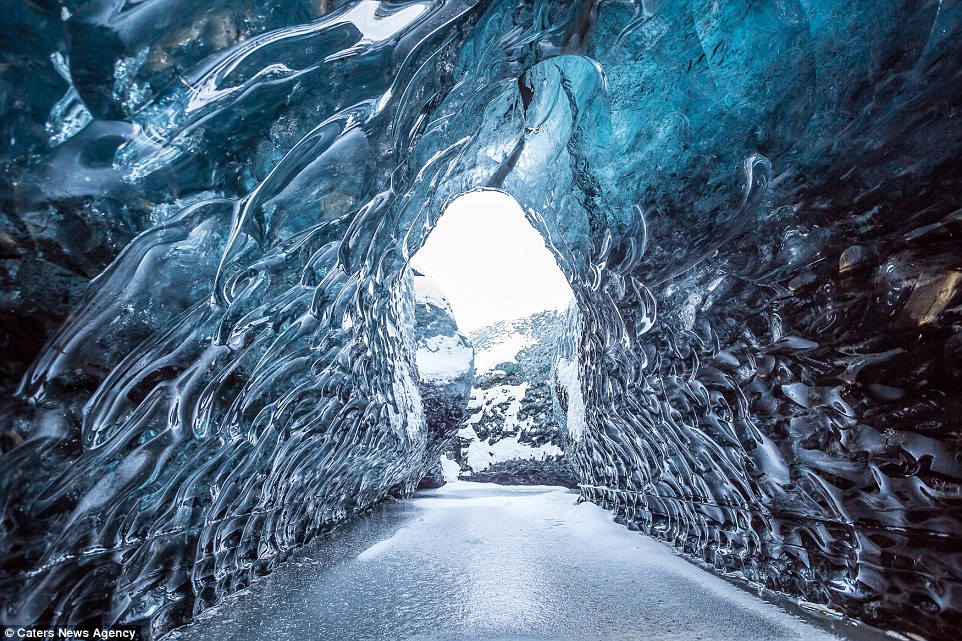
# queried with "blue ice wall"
point(756, 203)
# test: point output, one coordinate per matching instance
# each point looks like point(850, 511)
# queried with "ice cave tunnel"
point(209, 327)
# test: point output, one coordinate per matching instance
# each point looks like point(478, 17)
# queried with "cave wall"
point(792, 408)
point(755, 204)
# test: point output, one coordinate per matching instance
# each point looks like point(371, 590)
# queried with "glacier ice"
point(207, 214)
point(444, 366)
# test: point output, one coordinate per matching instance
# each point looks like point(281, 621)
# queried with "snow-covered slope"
point(510, 433)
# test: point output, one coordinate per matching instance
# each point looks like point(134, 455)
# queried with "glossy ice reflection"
point(480, 561)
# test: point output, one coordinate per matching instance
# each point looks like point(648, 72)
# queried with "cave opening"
point(492, 271)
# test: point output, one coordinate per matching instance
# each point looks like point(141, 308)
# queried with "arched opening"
point(490, 262)
point(490, 269)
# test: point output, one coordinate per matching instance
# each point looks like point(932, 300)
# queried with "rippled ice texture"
point(755, 201)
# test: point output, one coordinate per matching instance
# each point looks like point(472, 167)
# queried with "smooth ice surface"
point(482, 561)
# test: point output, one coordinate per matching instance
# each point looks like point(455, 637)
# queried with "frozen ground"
point(477, 561)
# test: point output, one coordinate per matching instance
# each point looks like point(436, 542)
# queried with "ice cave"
point(210, 321)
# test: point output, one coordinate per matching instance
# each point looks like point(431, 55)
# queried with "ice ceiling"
point(756, 203)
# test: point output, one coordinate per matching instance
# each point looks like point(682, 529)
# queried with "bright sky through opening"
point(490, 262)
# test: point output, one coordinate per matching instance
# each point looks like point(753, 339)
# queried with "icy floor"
point(479, 561)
